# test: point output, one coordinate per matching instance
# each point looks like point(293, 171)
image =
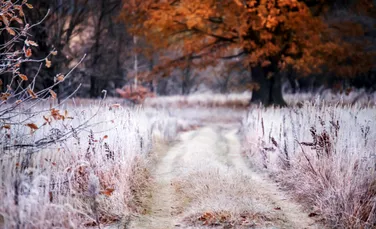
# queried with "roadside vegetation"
point(324, 155)
point(93, 177)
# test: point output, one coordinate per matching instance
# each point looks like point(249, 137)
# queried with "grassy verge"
point(94, 177)
point(324, 155)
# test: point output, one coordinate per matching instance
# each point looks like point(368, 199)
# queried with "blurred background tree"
point(221, 46)
point(76, 27)
point(269, 37)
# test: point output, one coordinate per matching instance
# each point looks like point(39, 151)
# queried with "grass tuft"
point(323, 154)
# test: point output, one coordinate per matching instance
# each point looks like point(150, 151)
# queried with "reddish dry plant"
point(225, 219)
point(136, 95)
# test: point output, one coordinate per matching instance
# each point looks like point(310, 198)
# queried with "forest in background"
point(118, 54)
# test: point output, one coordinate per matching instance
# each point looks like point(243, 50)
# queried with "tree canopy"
point(266, 36)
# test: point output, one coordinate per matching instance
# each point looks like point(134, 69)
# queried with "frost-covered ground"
point(90, 177)
point(241, 100)
point(203, 150)
point(323, 154)
point(329, 97)
point(202, 181)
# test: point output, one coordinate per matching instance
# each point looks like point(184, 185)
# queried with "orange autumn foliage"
point(135, 94)
point(260, 33)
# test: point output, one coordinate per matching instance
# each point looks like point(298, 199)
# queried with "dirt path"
point(203, 177)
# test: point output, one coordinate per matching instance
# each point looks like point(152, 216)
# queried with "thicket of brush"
point(92, 177)
point(324, 155)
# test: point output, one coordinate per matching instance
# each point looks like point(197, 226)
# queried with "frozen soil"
point(202, 181)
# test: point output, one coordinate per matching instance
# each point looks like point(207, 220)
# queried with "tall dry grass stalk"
point(91, 178)
point(324, 155)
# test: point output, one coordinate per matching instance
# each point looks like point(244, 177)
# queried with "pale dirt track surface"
point(204, 172)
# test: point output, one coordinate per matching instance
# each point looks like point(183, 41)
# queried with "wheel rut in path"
point(204, 171)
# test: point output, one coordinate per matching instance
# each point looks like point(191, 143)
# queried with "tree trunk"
point(135, 66)
point(270, 89)
point(186, 80)
point(93, 87)
point(291, 77)
point(96, 55)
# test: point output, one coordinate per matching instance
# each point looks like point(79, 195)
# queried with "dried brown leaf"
point(23, 77)
point(31, 43)
point(11, 31)
point(6, 126)
point(21, 12)
point(29, 5)
point(31, 93)
point(17, 19)
point(5, 20)
point(107, 191)
point(53, 94)
point(28, 52)
point(32, 126)
point(48, 63)
point(60, 77)
point(4, 96)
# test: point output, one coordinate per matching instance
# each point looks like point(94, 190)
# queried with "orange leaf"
point(32, 94)
point(17, 19)
point(48, 63)
point(6, 126)
point(11, 31)
point(53, 94)
point(28, 52)
point(4, 96)
point(60, 77)
point(23, 77)
point(32, 126)
point(107, 191)
point(32, 43)
point(29, 6)
point(20, 12)
point(106, 136)
point(5, 19)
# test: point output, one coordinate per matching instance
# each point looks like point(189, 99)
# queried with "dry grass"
point(226, 219)
point(350, 97)
point(324, 155)
point(212, 187)
point(95, 177)
point(208, 100)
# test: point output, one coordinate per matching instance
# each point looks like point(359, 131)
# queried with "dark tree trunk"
point(291, 77)
point(93, 87)
point(270, 88)
point(185, 84)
